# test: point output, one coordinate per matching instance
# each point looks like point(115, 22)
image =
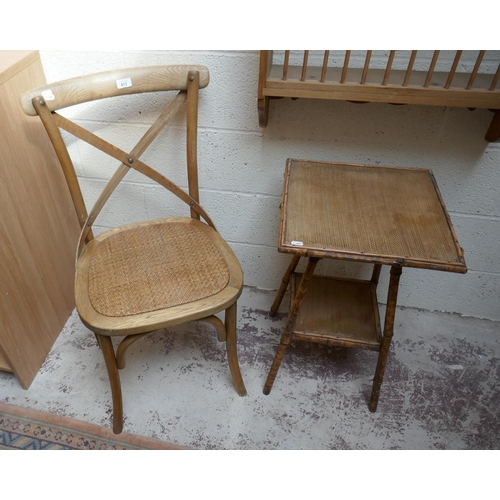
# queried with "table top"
point(386, 215)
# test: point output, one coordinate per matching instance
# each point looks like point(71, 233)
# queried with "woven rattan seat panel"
point(153, 267)
point(373, 210)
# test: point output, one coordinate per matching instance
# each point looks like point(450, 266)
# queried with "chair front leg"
point(114, 379)
point(232, 353)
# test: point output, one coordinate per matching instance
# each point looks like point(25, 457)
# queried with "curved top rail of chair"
point(113, 83)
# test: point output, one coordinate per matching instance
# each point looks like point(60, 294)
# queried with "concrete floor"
point(440, 391)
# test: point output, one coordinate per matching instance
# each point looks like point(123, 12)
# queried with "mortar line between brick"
point(474, 216)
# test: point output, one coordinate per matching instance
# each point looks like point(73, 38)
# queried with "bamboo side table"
point(378, 215)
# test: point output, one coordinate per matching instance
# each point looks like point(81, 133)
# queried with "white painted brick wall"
point(241, 168)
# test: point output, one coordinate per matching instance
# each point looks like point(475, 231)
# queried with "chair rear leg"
point(232, 354)
point(114, 379)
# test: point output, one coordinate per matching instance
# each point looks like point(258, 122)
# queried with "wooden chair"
point(145, 276)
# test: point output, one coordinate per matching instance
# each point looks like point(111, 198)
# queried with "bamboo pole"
point(392, 297)
point(284, 285)
point(287, 334)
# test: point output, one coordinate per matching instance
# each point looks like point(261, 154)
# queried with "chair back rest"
point(185, 80)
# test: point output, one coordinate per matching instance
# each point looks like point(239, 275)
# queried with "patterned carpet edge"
point(29, 429)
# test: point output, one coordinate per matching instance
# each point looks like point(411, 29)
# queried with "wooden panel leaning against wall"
point(38, 228)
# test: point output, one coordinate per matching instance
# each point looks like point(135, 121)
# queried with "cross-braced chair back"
point(184, 79)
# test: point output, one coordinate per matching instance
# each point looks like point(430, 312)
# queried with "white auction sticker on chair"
point(48, 95)
point(124, 83)
point(297, 243)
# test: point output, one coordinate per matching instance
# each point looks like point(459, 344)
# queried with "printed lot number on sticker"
point(124, 83)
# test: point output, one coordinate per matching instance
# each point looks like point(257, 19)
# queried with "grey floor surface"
point(441, 389)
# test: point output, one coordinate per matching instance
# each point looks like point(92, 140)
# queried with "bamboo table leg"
point(390, 312)
point(287, 334)
point(376, 273)
point(284, 285)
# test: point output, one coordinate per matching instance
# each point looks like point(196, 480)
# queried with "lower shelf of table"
point(338, 311)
